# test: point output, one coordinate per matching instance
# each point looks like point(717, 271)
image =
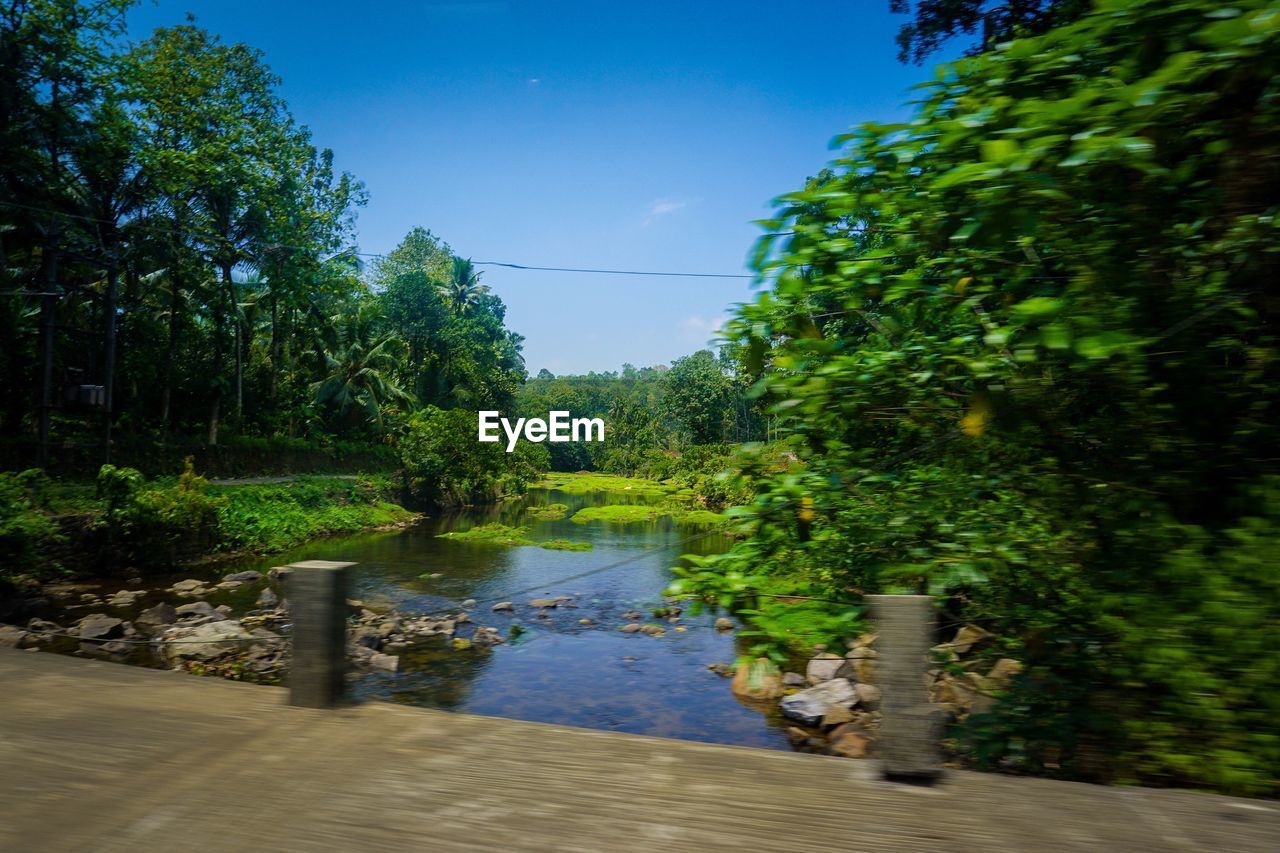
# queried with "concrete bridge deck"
point(97, 756)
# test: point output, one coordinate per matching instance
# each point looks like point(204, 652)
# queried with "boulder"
point(862, 641)
point(12, 637)
point(724, 623)
point(836, 715)
point(43, 626)
point(198, 611)
point(868, 696)
point(111, 648)
point(157, 617)
point(387, 663)
point(811, 705)
point(125, 598)
point(822, 667)
point(101, 627)
point(792, 679)
point(244, 577)
point(365, 636)
point(1003, 672)
point(187, 585)
point(850, 744)
point(759, 679)
point(267, 599)
point(204, 642)
point(391, 626)
point(861, 670)
point(967, 637)
point(277, 574)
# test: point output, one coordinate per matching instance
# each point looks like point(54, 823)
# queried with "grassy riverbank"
point(64, 529)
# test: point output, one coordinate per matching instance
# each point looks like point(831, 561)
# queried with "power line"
point(612, 272)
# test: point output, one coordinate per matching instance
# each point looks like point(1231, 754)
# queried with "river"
point(573, 665)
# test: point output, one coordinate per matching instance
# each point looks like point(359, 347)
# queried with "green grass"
point(631, 513)
point(550, 512)
point(278, 516)
point(491, 534)
point(617, 513)
point(511, 537)
point(696, 516)
point(579, 484)
point(565, 545)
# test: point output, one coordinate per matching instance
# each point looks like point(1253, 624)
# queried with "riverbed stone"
point(850, 744)
point(653, 630)
point(365, 636)
point(277, 574)
point(249, 576)
point(198, 611)
point(12, 637)
point(544, 602)
point(267, 599)
point(503, 606)
point(99, 626)
point(759, 679)
point(125, 598)
point(1003, 672)
point(792, 679)
point(158, 616)
point(204, 642)
point(836, 715)
point(967, 638)
point(724, 623)
point(868, 696)
point(811, 705)
point(630, 628)
point(387, 663)
point(822, 667)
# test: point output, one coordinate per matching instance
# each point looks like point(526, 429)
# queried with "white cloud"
point(665, 207)
point(701, 330)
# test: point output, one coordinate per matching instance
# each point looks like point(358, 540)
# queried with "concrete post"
point(317, 592)
point(909, 730)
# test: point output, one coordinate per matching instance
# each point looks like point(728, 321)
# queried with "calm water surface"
point(560, 670)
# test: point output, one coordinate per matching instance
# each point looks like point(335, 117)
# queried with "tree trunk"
point(109, 353)
point(275, 345)
point(171, 351)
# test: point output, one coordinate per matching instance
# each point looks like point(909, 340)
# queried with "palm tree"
point(360, 366)
point(464, 288)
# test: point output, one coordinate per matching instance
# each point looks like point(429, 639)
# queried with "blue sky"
point(577, 134)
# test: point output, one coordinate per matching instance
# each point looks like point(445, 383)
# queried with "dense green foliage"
point(265, 518)
point(934, 22)
point(24, 529)
point(151, 525)
point(445, 464)
point(1026, 345)
point(197, 253)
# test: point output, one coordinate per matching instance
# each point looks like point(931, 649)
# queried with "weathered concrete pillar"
point(909, 729)
point(318, 607)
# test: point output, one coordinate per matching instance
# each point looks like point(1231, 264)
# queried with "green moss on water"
point(585, 483)
point(550, 512)
point(618, 514)
point(697, 516)
point(565, 545)
point(631, 513)
point(491, 534)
